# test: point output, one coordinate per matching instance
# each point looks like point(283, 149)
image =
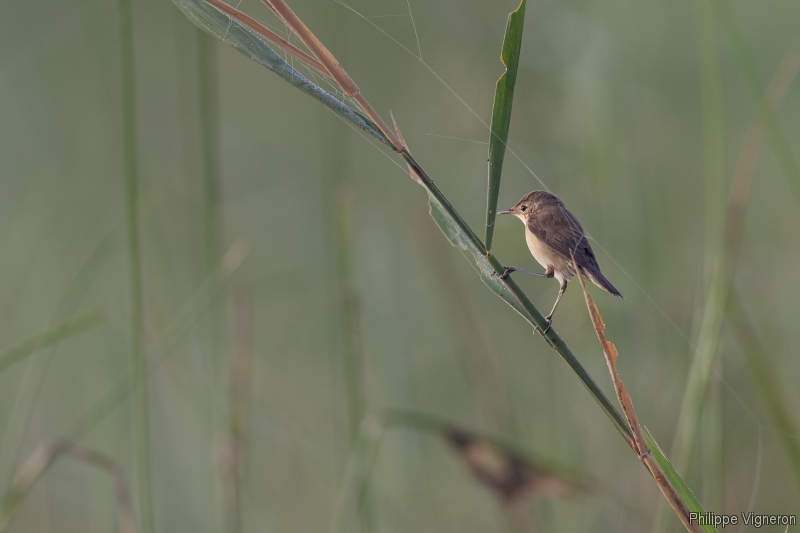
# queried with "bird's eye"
point(523, 208)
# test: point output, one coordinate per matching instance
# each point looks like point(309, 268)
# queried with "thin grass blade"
point(764, 375)
point(501, 113)
point(11, 355)
point(675, 478)
point(723, 266)
point(231, 32)
point(744, 59)
point(43, 458)
point(166, 343)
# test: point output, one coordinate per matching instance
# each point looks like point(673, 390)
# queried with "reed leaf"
point(760, 362)
point(231, 32)
point(674, 478)
point(501, 113)
point(165, 343)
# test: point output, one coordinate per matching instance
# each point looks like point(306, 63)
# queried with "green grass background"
point(608, 112)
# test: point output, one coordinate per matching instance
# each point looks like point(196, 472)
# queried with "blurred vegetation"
point(615, 110)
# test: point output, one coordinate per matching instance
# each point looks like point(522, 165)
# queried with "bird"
point(557, 241)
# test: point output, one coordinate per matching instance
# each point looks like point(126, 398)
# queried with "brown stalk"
point(44, 456)
point(638, 444)
point(335, 70)
point(413, 172)
point(751, 150)
point(240, 370)
point(266, 33)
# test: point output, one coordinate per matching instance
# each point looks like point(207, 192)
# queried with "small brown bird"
point(554, 238)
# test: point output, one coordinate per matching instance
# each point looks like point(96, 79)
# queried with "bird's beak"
point(506, 212)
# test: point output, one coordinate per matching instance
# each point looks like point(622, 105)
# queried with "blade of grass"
point(758, 360)
point(240, 377)
point(36, 367)
point(697, 400)
point(501, 113)
point(713, 133)
point(674, 477)
point(489, 393)
point(235, 34)
point(639, 445)
point(724, 265)
point(335, 70)
point(163, 346)
point(350, 312)
point(356, 478)
point(19, 351)
point(264, 32)
point(210, 152)
point(208, 118)
point(140, 423)
point(209, 143)
point(744, 59)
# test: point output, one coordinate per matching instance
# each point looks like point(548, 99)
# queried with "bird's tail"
point(600, 280)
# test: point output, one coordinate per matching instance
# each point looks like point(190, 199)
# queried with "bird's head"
point(530, 203)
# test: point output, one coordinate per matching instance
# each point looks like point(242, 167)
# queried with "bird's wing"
point(555, 226)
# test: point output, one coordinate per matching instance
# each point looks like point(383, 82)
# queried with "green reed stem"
point(766, 379)
point(208, 118)
point(140, 424)
point(694, 405)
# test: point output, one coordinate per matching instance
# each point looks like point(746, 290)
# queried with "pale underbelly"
point(546, 257)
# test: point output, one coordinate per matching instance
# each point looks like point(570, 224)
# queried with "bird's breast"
point(540, 251)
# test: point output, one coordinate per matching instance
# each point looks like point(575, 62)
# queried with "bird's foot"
point(549, 319)
point(509, 270)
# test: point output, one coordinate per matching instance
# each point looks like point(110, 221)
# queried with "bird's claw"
point(506, 272)
point(545, 330)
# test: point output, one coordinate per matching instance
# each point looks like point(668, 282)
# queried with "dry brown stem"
point(266, 33)
point(325, 61)
point(335, 70)
point(638, 443)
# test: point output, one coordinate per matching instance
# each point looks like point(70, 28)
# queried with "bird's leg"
point(509, 270)
point(549, 317)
